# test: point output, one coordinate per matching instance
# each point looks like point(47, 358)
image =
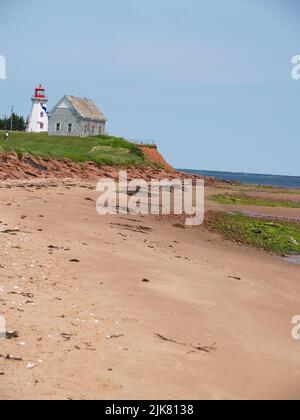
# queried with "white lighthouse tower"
point(38, 119)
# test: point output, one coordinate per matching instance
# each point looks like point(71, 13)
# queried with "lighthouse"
point(38, 119)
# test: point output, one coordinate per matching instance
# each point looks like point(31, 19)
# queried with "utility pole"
point(11, 119)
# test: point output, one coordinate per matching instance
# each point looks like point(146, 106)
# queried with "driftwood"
point(10, 357)
point(206, 349)
point(27, 295)
point(110, 337)
point(139, 229)
point(10, 231)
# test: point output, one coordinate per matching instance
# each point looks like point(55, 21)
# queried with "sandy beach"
point(122, 307)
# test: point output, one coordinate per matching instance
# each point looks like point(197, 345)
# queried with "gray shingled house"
point(74, 116)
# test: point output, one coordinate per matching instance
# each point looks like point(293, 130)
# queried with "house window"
point(41, 126)
point(58, 125)
point(93, 130)
point(85, 128)
point(70, 128)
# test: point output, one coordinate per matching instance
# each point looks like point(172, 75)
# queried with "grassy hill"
point(102, 150)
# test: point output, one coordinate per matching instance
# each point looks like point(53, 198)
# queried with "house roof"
point(86, 108)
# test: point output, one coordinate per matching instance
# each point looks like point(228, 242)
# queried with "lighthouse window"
point(42, 115)
point(58, 127)
point(70, 128)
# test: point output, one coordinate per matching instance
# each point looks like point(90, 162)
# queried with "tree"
point(18, 123)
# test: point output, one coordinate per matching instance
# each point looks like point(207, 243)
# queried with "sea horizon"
point(273, 180)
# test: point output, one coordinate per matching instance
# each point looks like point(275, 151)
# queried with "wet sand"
point(260, 211)
point(92, 297)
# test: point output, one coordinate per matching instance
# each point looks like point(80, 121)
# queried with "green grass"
point(102, 150)
point(279, 237)
point(244, 200)
point(244, 188)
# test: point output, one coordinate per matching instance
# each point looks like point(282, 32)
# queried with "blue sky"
point(208, 80)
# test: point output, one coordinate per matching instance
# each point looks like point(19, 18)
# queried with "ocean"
point(245, 178)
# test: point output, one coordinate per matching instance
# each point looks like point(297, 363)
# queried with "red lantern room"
point(40, 93)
